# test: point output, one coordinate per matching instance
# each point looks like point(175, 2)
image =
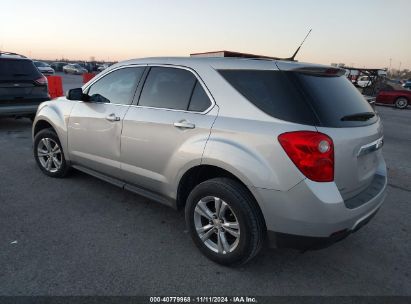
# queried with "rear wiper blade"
point(20, 74)
point(358, 117)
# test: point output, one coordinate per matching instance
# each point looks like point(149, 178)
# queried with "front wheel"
point(401, 103)
point(49, 154)
point(224, 221)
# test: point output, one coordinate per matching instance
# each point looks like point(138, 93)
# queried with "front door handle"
point(112, 117)
point(184, 124)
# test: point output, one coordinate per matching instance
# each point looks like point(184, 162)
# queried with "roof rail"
point(12, 54)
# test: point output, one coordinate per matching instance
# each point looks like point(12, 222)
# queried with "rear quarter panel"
point(250, 150)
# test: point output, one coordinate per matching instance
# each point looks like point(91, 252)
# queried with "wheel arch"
point(52, 116)
point(200, 173)
point(403, 96)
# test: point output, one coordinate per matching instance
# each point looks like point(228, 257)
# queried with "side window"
point(199, 100)
point(168, 88)
point(116, 87)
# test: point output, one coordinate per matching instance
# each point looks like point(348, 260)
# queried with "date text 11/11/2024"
point(203, 299)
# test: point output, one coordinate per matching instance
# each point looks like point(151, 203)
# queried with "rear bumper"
point(300, 242)
point(21, 109)
point(314, 214)
point(18, 110)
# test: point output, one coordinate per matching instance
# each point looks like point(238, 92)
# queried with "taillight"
point(42, 80)
point(312, 153)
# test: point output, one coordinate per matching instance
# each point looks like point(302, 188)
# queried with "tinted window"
point(302, 98)
point(40, 64)
point(169, 88)
point(11, 69)
point(271, 92)
point(334, 98)
point(117, 87)
point(199, 100)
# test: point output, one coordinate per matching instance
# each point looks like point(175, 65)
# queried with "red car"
point(399, 98)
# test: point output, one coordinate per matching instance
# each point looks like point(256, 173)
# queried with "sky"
point(362, 33)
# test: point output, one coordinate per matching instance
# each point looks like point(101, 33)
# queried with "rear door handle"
point(112, 117)
point(184, 125)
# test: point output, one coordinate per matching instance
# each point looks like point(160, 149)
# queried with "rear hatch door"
point(343, 114)
point(17, 82)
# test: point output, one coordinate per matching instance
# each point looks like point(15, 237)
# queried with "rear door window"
point(199, 100)
point(168, 88)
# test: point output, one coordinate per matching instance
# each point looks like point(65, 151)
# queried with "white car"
point(364, 81)
point(44, 68)
point(102, 67)
point(74, 68)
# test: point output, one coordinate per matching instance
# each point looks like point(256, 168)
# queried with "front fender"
point(56, 113)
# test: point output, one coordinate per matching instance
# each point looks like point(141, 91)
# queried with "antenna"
point(298, 49)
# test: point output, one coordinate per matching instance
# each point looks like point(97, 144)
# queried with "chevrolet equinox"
point(252, 150)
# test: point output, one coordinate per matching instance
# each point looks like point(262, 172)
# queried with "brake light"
point(42, 80)
point(312, 153)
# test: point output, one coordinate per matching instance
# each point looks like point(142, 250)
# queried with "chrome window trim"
point(199, 79)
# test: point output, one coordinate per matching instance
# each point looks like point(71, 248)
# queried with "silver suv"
point(249, 148)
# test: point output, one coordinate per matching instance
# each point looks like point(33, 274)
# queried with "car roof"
point(9, 55)
point(222, 62)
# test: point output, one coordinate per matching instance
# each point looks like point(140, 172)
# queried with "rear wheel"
point(401, 103)
point(224, 221)
point(49, 154)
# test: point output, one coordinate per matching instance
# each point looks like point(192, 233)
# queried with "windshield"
point(40, 64)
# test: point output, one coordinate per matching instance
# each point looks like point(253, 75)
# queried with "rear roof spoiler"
point(320, 71)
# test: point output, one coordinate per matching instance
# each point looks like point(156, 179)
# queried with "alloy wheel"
point(49, 154)
point(216, 225)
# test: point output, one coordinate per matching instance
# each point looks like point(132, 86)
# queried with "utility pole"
point(389, 70)
point(399, 71)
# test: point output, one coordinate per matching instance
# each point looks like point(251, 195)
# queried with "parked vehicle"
point(407, 85)
point(364, 81)
point(399, 98)
point(102, 67)
point(74, 68)
point(58, 66)
point(44, 68)
point(86, 65)
point(249, 148)
point(22, 86)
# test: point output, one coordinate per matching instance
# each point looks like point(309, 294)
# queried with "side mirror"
point(75, 94)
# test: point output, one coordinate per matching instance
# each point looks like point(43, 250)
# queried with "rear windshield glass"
point(335, 100)
point(302, 98)
point(20, 69)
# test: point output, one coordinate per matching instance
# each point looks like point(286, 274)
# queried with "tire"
point(239, 207)
point(52, 162)
point(401, 103)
